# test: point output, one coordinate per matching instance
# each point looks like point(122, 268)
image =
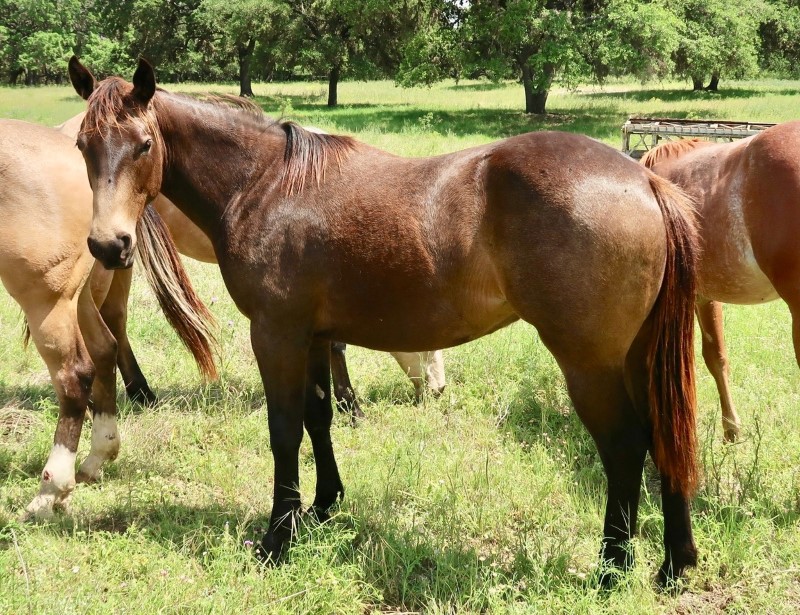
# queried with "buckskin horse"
point(322, 238)
point(749, 224)
point(69, 302)
point(424, 369)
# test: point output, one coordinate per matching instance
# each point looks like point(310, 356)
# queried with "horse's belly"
point(729, 271)
point(738, 280)
point(422, 324)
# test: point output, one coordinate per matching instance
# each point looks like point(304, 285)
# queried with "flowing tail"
point(184, 310)
point(673, 403)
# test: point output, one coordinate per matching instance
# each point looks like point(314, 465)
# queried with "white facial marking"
point(320, 392)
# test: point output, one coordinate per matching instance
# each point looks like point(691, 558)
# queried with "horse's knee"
point(75, 379)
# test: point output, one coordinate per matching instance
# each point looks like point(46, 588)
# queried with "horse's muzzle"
point(115, 254)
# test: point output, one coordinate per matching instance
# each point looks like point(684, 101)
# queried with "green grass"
point(488, 499)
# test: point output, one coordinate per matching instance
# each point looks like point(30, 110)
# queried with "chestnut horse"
point(322, 238)
point(425, 369)
point(749, 223)
point(46, 267)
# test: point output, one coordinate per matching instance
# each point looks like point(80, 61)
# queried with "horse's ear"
point(81, 77)
point(144, 82)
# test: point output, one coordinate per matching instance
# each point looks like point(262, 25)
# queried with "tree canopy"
point(414, 42)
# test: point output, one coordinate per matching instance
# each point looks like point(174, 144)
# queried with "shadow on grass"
point(691, 95)
point(477, 87)
point(492, 123)
point(27, 396)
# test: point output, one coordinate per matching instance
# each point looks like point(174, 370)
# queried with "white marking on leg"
point(320, 392)
point(105, 446)
point(58, 481)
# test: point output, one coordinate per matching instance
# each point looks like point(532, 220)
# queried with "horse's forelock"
point(110, 102)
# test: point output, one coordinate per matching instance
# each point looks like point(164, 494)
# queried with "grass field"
point(488, 499)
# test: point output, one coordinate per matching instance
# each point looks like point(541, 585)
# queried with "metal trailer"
point(640, 134)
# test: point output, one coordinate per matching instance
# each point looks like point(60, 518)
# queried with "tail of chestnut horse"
point(672, 397)
point(184, 310)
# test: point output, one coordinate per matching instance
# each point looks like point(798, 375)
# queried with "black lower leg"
point(680, 551)
point(317, 419)
point(342, 387)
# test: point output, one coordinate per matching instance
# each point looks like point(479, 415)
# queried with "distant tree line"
point(538, 42)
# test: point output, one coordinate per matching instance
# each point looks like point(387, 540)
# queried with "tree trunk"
point(697, 83)
point(714, 83)
point(333, 84)
point(245, 57)
point(14, 74)
point(536, 93)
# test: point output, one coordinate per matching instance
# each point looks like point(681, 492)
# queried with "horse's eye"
point(146, 146)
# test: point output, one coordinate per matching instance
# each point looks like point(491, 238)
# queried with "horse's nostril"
point(125, 240)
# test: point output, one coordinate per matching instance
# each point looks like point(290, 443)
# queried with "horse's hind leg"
point(53, 323)
point(102, 348)
point(605, 408)
point(709, 315)
point(114, 311)
point(342, 387)
point(679, 547)
point(317, 419)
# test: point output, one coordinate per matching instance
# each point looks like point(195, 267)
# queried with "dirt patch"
point(17, 422)
point(713, 600)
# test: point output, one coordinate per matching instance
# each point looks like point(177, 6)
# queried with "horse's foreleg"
point(282, 355)
point(317, 419)
point(709, 315)
point(54, 329)
point(604, 407)
point(114, 311)
point(342, 388)
point(102, 348)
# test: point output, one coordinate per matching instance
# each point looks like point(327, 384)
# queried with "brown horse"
point(749, 224)
point(323, 238)
point(425, 369)
point(46, 267)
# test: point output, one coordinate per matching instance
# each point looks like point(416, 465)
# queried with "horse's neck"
point(210, 159)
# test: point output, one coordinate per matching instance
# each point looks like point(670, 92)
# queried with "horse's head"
point(124, 153)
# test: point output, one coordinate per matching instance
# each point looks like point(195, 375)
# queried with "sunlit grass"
point(488, 499)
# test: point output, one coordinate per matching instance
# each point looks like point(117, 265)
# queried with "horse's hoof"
point(43, 508)
point(142, 395)
point(672, 573)
point(318, 514)
point(269, 551)
point(731, 435)
point(86, 478)
point(608, 577)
